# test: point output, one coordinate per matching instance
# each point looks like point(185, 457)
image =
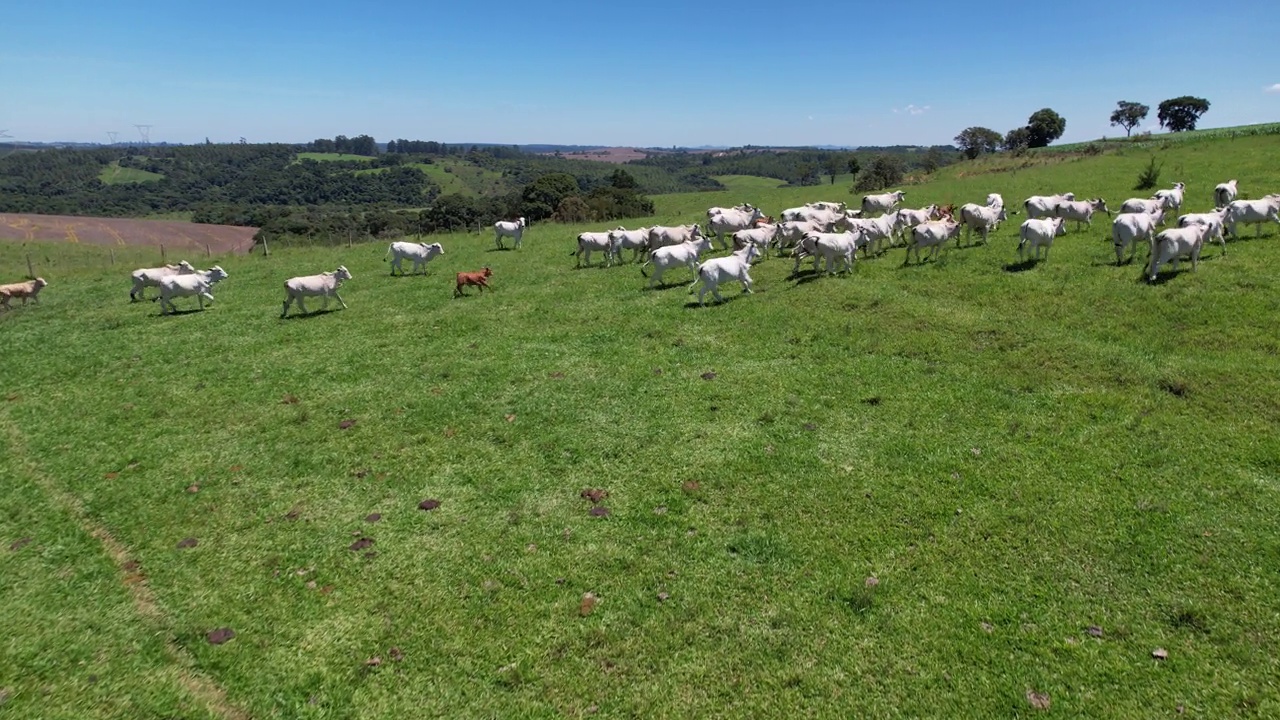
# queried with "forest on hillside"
point(309, 190)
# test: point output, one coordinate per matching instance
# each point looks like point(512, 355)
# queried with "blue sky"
point(651, 74)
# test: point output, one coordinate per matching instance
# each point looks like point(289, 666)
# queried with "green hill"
point(960, 488)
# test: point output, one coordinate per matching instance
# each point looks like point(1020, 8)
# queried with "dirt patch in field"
point(122, 232)
point(609, 154)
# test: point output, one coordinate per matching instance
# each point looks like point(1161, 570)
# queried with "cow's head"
point(216, 273)
point(487, 271)
point(342, 273)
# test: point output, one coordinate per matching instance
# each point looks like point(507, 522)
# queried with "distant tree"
point(933, 159)
point(1044, 126)
point(622, 180)
point(884, 170)
point(974, 141)
point(572, 209)
point(541, 198)
point(835, 162)
point(1016, 140)
point(1181, 113)
point(854, 165)
point(1128, 114)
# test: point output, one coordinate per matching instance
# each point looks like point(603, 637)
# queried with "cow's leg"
point(324, 301)
point(715, 290)
point(335, 294)
point(302, 306)
point(746, 283)
point(284, 311)
point(205, 296)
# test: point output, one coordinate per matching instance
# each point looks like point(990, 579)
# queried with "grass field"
point(458, 178)
point(113, 174)
point(958, 489)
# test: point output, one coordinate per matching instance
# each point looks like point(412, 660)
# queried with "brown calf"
point(479, 279)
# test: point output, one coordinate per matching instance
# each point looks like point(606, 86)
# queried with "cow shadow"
point(1021, 265)
point(179, 311)
point(712, 302)
point(411, 274)
point(310, 315)
point(500, 249)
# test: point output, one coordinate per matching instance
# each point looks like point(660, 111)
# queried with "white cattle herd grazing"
point(823, 231)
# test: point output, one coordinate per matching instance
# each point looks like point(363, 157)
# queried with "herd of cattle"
point(831, 232)
point(819, 230)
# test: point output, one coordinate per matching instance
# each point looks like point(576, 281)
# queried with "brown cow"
point(479, 279)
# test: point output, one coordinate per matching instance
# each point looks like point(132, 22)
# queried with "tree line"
point(273, 187)
point(1045, 125)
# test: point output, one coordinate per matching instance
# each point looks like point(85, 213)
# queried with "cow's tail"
point(388, 254)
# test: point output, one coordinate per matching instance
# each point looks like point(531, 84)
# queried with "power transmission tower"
point(145, 132)
point(112, 135)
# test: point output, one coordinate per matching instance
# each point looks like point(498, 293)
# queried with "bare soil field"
point(124, 232)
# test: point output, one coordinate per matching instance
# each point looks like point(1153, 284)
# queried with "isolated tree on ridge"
point(1128, 114)
point(1181, 113)
point(974, 141)
point(1044, 127)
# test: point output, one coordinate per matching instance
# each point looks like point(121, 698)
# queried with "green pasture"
point(113, 174)
point(457, 178)
point(965, 488)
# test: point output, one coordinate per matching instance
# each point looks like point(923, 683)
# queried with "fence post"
point(113, 255)
point(265, 252)
point(162, 259)
point(208, 252)
point(31, 273)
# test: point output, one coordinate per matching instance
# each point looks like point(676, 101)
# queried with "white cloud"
point(1273, 89)
point(913, 109)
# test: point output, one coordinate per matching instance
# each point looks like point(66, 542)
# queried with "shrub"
point(1150, 176)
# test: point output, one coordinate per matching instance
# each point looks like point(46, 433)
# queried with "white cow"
point(907, 218)
point(1175, 243)
point(1215, 221)
point(1127, 229)
point(1253, 212)
point(1172, 199)
point(725, 269)
point(731, 221)
point(839, 245)
point(637, 241)
point(1081, 211)
point(995, 200)
point(1041, 206)
point(883, 203)
point(1037, 232)
point(589, 242)
point(662, 236)
point(762, 237)
point(932, 235)
point(832, 206)
point(792, 232)
point(1224, 194)
point(875, 231)
point(419, 253)
point(150, 277)
point(806, 248)
point(983, 218)
point(1142, 205)
point(325, 285)
point(198, 283)
point(669, 256)
point(514, 230)
point(744, 207)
